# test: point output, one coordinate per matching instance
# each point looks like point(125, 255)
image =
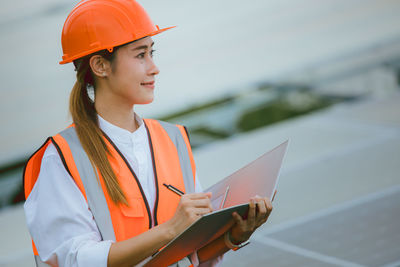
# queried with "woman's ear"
point(100, 66)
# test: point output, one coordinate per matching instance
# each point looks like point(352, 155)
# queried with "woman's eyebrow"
point(143, 47)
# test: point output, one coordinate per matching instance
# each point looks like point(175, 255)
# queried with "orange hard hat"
point(95, 25)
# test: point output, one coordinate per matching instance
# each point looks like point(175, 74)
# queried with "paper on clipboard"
point(259, 177)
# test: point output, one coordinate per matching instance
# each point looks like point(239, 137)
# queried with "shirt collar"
point(120, 135)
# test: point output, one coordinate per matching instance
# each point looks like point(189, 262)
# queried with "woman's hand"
point(190, 208)
point(259, 210)
point(133, 250)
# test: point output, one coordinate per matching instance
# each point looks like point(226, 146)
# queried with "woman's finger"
point(201, 211)
point(251, 218)
point(269, 208)
point(268, 205)
point(238, 219)
point(261, 210)
point(204, 203)
point(198, 195)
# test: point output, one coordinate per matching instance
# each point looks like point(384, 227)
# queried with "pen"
point(174, 189)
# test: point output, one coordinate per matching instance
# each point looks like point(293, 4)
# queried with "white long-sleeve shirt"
point(57, 214)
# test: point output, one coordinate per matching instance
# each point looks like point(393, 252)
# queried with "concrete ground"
point(338, 194)
point(339, 190)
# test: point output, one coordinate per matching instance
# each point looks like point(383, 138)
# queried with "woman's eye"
point(143, 54)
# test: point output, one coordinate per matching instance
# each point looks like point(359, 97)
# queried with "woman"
point(95, 193)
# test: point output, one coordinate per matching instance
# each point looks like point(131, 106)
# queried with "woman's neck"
point(123, 117)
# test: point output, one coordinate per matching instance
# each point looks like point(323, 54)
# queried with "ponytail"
point(84, 116)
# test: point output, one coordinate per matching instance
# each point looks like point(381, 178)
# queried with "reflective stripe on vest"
point(184, 158)
point(94, 193)
point(164, 138)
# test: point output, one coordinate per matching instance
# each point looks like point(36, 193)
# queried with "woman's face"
point(132, 76)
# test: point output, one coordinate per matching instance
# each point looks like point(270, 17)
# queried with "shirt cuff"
point(194, 259)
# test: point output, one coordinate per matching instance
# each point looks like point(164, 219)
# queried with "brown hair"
point(84, 115)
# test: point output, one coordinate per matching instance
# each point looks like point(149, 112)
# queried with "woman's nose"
point(153, 69)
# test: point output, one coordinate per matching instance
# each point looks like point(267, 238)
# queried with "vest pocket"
point(135, 208)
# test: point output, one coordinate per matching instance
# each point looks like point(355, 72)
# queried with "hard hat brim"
point(70, 59)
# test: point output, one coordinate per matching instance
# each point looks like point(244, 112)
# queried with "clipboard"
point(260, 177)
point(197, 235)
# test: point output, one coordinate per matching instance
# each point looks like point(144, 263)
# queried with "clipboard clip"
point(221, 206)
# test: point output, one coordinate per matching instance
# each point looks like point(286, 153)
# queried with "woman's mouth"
point(149, 85)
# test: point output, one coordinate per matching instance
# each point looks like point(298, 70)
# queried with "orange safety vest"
point(172, 162)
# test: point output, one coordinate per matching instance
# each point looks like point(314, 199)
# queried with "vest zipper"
point(134, 175)
point(155, 176)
